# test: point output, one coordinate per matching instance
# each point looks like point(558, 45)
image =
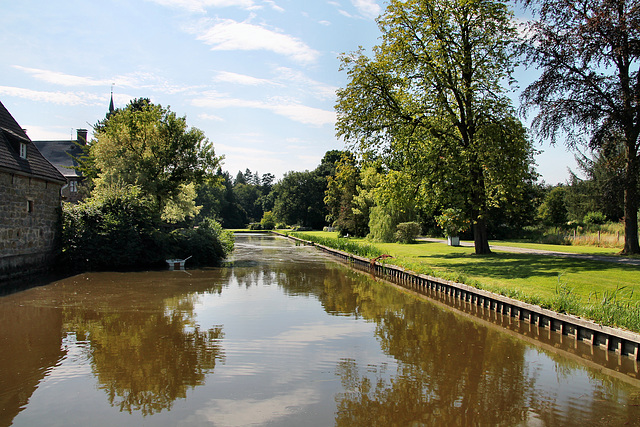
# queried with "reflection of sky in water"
point(282, 360)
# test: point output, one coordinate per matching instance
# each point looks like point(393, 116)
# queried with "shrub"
point(207, 244)
point(407, 232)
point(119, 228)
point(594, 218)
point(255, 226)
point(115, 228)
point(268, 222)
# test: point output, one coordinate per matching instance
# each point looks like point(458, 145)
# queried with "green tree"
point(553, 210)
point(151, 147)
point(298, 199)
point(431, 102)
point(339, 198)
point(589, 89)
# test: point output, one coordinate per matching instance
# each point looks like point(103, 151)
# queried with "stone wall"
point(29, 225)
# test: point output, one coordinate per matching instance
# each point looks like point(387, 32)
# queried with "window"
point(23, 150)
point(73, 186)
point(29, 206)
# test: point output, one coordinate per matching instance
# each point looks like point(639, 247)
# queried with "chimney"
point(82, 136)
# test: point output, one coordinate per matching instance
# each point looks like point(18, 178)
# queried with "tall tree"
point(437, 79)
point(151, 147)
point(589, 89)
point(298, 199)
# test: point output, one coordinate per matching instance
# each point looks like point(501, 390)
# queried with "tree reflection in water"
point(146, 357)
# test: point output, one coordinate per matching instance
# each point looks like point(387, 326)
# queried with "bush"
point(255, 226)
point(114, 229)
point(207, 244)
point(118, 228)
point(407, 232)
point(594, 218)
point(268, 222)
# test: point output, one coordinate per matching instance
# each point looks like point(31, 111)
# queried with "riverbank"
point(601, 291)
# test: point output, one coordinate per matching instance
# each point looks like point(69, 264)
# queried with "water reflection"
point(29, 346)
point(280, 335)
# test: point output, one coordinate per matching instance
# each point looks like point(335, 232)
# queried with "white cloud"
point(368, 8)
point(200, 6)
point(241, 79)
point(60, 98)
point(138, 80)
point(211, 117)
point(317, 89)
point(244, 412)
point(274, 6)
point(227, 34)
point(291, 109)
point(306, 115)
point(62, 79)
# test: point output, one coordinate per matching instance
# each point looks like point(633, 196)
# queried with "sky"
point(257, 76)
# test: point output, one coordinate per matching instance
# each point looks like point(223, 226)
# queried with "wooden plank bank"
point(481, 303)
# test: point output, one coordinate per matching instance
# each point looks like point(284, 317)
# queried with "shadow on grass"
point(514, 266)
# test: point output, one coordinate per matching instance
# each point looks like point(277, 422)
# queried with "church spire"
point(111, 109)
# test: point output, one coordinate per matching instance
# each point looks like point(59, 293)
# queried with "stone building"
point(29, 204)
point(62, 154)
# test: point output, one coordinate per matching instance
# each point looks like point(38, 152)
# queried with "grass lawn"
point(538, 279)
point(578, 249)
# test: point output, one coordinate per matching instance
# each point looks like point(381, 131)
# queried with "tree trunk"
point(480, 237)
point(631, 245)
point(478, 209)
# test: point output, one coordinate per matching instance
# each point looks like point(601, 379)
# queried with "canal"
point(281, 335)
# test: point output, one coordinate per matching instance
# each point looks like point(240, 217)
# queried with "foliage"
point(589, 89)
point(553, 210)
point(342, 189)
point(452, 221)
point(342, 244)
point(267, 222)
point(207, 244)
point(407, 232)
point(113, 229)
point(430, 103)
point(182, 206)
point(119, 228)
point(381, 225)
point(394, 203)
point(594, 218)
point(151, 147)
point(603, 190)
point(299, 199)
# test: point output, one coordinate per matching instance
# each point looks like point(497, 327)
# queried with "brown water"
point(281, 336)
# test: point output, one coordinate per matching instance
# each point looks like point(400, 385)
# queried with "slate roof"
point(60, 153)
point(35, 165)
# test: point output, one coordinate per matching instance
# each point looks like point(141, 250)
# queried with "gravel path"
point(604, 258)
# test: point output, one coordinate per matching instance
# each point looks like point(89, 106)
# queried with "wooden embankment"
point(619, 341)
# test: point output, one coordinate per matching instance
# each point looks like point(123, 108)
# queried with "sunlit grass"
point(603, 291)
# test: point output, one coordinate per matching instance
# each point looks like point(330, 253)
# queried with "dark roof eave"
point(31, 175)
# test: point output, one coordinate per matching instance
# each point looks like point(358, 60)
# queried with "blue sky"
point(257, 76)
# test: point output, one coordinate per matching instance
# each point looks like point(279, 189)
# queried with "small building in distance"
point(62, 155)
point(29, 204)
